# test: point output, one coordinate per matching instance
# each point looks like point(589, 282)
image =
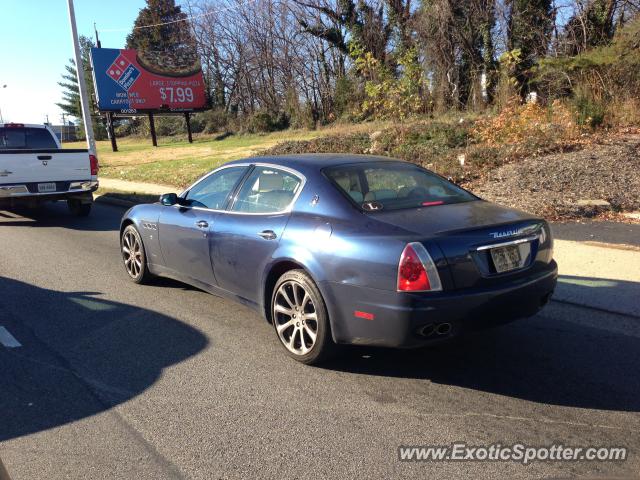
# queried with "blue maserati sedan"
point(346, 249)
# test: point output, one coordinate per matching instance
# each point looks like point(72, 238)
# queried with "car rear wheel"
point(133, 255)
point(300, 318)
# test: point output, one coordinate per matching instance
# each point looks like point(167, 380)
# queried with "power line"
point(187, 18)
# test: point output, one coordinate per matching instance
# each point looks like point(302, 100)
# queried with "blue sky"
point(36, 44)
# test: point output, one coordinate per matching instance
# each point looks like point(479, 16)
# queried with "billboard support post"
point(152, 127)
point(112, 132)
point(82, 87)
point(187, 117)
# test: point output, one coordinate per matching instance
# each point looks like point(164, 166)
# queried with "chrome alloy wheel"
point(295, 318)
point(132, 254)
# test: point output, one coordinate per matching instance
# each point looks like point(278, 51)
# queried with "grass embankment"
point(176, 162)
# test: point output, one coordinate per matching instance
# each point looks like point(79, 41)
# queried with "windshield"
point(395, 186)
point(25, 138)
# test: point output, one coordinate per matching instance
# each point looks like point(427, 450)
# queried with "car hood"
point(436, 220)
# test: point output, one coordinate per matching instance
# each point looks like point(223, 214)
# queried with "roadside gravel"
point(557, 186)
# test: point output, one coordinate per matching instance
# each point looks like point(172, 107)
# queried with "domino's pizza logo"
point(123, 72)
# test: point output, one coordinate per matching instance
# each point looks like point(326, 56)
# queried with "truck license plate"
point(46, 187)
point(506, 258)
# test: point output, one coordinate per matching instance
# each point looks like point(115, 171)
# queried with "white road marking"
point(7, 339)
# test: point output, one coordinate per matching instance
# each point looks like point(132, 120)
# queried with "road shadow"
point(565, 355)
point(103, 218)
point(80, 355)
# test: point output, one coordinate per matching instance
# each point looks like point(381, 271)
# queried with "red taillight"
point(416, 271)
point(365, 315)
point(14, 125)
point(93, 160)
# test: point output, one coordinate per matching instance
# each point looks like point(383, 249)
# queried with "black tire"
point(135, 262)
point(319, 349)
point(79, 209)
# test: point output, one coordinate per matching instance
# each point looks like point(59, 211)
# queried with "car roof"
point(315, 161)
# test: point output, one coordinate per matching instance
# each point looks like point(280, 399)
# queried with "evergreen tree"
point(168, 43)
point(70, 103)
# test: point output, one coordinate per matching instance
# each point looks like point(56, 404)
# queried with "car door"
point(184, 229)
point(244, 237)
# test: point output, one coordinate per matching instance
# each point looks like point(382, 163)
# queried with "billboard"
point(124, 85)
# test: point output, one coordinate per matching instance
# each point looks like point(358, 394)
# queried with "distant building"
point(65, 133)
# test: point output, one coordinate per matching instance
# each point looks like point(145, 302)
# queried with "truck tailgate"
point(51, 165)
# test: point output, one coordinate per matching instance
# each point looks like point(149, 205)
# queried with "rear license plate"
point(506, 258)
point(46, 187)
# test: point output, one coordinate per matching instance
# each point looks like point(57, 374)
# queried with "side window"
point(212, 191)
point(267, 190)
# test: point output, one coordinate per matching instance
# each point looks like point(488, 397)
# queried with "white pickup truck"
point(34, 168)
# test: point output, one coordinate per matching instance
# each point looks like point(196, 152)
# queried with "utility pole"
point(95, 29)
point(84, 99)
point(64, 127)
point(2, 119)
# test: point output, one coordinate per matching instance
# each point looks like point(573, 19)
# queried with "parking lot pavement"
point(115, 380)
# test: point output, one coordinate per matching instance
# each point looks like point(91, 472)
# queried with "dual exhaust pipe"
point(439, 330)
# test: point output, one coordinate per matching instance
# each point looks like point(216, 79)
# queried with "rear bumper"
point(64, 190)
point(399, 317)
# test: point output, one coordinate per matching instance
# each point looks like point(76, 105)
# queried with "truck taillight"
point(93, 160)
point(14, 125)
point(416, 271)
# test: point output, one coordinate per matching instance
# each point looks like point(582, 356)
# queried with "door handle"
point(202, 224)
point(268, 234)
point(44, 157)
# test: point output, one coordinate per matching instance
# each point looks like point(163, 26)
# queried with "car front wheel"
point(133, 255)
point(300, 318)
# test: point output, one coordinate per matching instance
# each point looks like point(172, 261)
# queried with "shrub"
point(197, 123)
point(170, 125)
point(346, 97)
point(124, 129)
point(590, 112)
point(528, 128)
point(264, 121)
point(214, 120)
point(387, 96)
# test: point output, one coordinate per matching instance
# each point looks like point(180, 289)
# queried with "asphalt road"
point(114, 380)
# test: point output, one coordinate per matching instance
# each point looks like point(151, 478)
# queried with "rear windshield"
point(26, 138)
point(394, 186)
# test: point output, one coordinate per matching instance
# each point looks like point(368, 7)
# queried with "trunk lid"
point(465, 232)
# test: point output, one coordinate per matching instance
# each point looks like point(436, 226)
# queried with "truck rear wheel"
point(79, 209)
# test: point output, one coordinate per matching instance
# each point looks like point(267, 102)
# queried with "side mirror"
point(169, 199)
